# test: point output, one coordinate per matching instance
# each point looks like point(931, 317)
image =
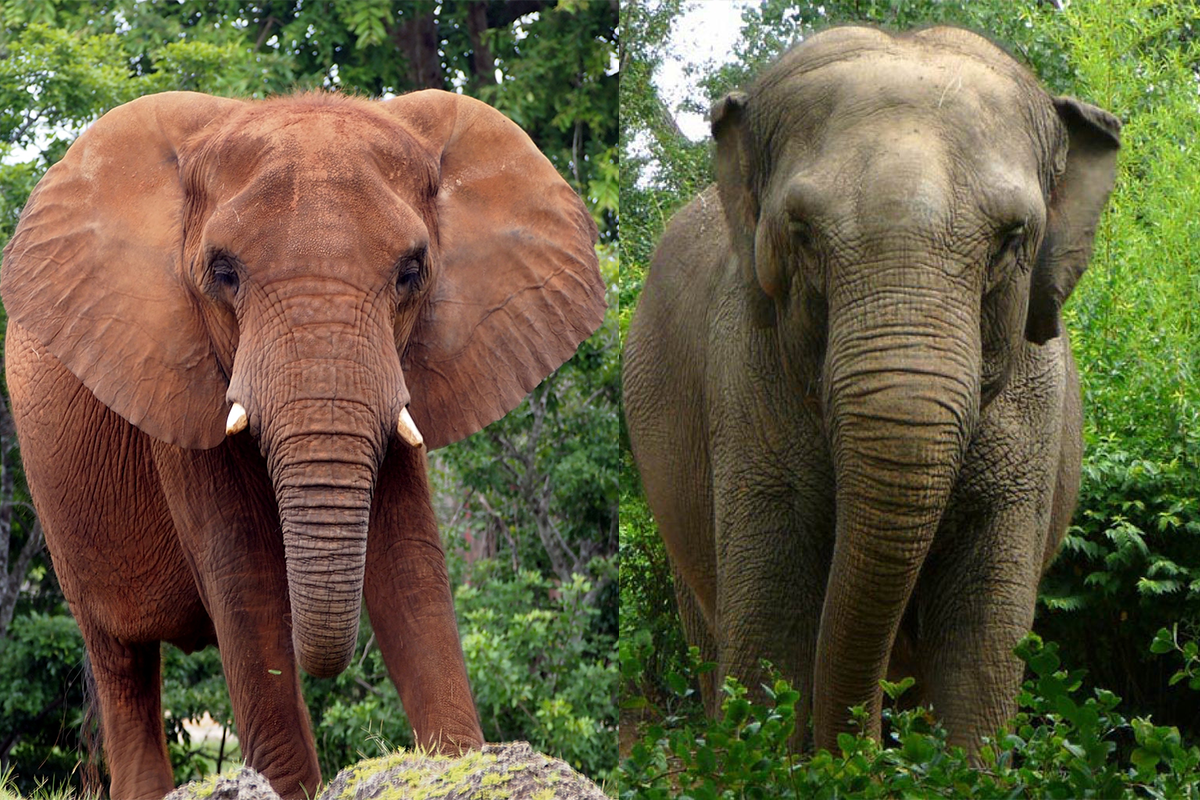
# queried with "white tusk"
point(237, 421)
point(408, 429)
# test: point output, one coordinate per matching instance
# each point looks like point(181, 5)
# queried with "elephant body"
point(139, 530)
point(315, 266)
point(854, 414)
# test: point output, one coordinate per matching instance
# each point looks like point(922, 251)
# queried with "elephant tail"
point(91, 735)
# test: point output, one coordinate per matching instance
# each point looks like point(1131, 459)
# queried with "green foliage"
point(76, 77)
point(1060, 744)
point(1134, 311)
point(1129, 566)
point(653, 185)
point(536, 672)
point(1131, 562)
point(41, 698)
point(539, 671)
point(541, 484)
point(193, 685)
point(652, 642)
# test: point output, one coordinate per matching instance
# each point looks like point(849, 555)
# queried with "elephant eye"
point(225, 272)
point(411, 272)
point(1010, 241)
point(801, 231)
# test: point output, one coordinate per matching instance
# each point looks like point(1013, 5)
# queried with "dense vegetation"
point(529, 506)
point(1131, 563)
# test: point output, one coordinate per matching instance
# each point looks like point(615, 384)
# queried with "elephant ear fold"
point(735, 168)
point(94, 270)
point(518, 285)
point(1078, 198)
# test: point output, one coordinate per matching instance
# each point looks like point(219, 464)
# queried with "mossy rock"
point(236, 784)
point(513, 771)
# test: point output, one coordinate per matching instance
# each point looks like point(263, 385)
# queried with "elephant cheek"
point(1002, 335)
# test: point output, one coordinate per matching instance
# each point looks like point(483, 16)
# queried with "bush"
point(41, 699)
point(1129, 566)
point(536, 671)
point(1060, 744)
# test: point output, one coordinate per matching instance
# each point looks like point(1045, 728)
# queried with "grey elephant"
point(848, 391)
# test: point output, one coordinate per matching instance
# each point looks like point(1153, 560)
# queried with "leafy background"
point(528, 506)
point(1131, 561)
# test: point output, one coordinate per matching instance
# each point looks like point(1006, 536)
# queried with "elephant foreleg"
point(128, 689)
point(407, 591)
point(772, 569)
point(975, 603)
point(225, 513)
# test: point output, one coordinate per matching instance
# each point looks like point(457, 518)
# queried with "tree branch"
point(12, 581)
point(503, 524)
point(593, 595)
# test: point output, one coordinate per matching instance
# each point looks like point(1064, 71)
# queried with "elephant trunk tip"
point(325, 660)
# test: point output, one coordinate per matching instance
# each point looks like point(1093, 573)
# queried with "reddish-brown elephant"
point(233, 328)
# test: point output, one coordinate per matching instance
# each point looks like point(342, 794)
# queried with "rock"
point(243, 784)
point(512, 771)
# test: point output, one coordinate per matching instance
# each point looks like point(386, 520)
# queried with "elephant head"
point(324, 272)
point(909, 212)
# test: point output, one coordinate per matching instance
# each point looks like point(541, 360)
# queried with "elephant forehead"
point(958, 93)
point(289, 223)
point(292, 191)
point(311, 144)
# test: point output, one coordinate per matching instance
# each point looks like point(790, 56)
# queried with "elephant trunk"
point(902, 393)
point(324, 507)
point(324, 432)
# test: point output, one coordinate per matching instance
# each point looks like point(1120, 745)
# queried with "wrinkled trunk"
point(323, 425)
point(324, 496)
point(902, 392)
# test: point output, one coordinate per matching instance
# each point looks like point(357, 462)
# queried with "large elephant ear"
point(519, 285)
point(1078, 198)
point(93, 270)
point(735, 166)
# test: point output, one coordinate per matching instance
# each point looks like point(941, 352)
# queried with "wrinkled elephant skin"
point(234, 328)
point(854, 412)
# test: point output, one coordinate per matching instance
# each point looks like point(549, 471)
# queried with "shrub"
point(41, 699)
point(536, 671)
point(1060, 744)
